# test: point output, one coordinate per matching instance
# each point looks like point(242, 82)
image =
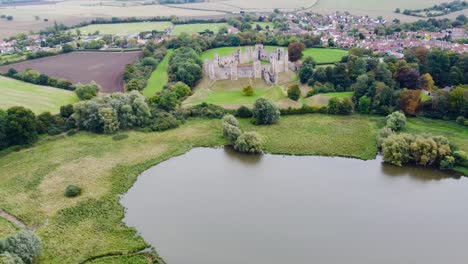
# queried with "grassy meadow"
point(325, 56)
point(37, 98)
point(123, 28)
point(197, 28)
point(6, 228)
point(229, 93)
point(158, 78)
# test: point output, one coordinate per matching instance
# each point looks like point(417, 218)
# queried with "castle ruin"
point(249, 64)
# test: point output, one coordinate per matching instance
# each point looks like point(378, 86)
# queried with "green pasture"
point(37, 98)
point(123, 28)
point(197, 28)
point(325, 56)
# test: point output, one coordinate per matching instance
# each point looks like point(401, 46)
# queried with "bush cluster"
point(265, 112)
point(35, 77)
point(340, 107)
point(248, 142)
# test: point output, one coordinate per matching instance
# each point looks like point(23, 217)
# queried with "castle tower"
point(234, 75)
point(257, 69)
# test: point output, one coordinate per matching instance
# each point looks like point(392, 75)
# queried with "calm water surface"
point(213, 206)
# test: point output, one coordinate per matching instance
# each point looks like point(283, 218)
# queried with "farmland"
point(37, 98)
point(158, 78)
point(375, 8)
point(105, 68)
point(124, 28)
point(196, 28)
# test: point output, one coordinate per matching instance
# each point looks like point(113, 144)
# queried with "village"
point(341, 30)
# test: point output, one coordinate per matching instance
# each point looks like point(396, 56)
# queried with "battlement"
point(248, 64)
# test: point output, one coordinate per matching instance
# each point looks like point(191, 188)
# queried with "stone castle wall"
point(248, 64)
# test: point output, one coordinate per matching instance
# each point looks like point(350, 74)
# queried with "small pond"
point(214, 206)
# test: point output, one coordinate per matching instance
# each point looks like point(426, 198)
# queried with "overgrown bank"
point(34, 179)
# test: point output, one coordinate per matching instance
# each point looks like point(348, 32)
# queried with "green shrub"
point(164, 121)
point(461, 158)
point(248, 90)
point(72, 191)
point(54, 130)
point(231, 132)
point(231, 120)
point(244, 112)
point(87, 91)
point(25, 244)
point(396, 121)
point(294, 92)
point(119, 137)
point(249, 142)
point(265, 112)
point(71, 132)
point(447, 163)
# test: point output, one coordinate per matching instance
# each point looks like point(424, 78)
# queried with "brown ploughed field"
point(105, 68)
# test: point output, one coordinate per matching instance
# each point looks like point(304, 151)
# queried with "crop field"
point(105, 68)
point(325, 56)
point(124, 28)
point(37, 98)
point(72, 12)
point(196, 28)
point(158, 78)
point(252, 6)
point(375, 8)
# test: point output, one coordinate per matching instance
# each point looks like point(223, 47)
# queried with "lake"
point(214, 206)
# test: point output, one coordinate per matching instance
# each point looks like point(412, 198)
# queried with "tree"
point(427, 83)
point(294, 92)
point(438, 64)
point(346, 107)
point(26, 245)
point(167, 100)
point(396, 121)
point(67, 48)
point(265, 112)
point(295, 50)
point(21, 126)
point(248, 90)
point(133, 85)
point(364, 105)
point(231, 128)
point(66, 111)
point(3, 130)
point(248, 142)
point(410, 101)
point(334, 106)
point(109, 120)
point(87, 91)
point(306, 73)
point(181, 90)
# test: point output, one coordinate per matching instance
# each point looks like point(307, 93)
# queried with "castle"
point(249, 64)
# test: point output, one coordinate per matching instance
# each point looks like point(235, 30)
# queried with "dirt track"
point(105, 68)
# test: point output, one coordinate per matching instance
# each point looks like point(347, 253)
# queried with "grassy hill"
point(35, 97)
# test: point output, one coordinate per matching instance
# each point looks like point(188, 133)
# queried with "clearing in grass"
point(320, 100)
point(123, 28)
point(37, 98)
point(158, 78)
